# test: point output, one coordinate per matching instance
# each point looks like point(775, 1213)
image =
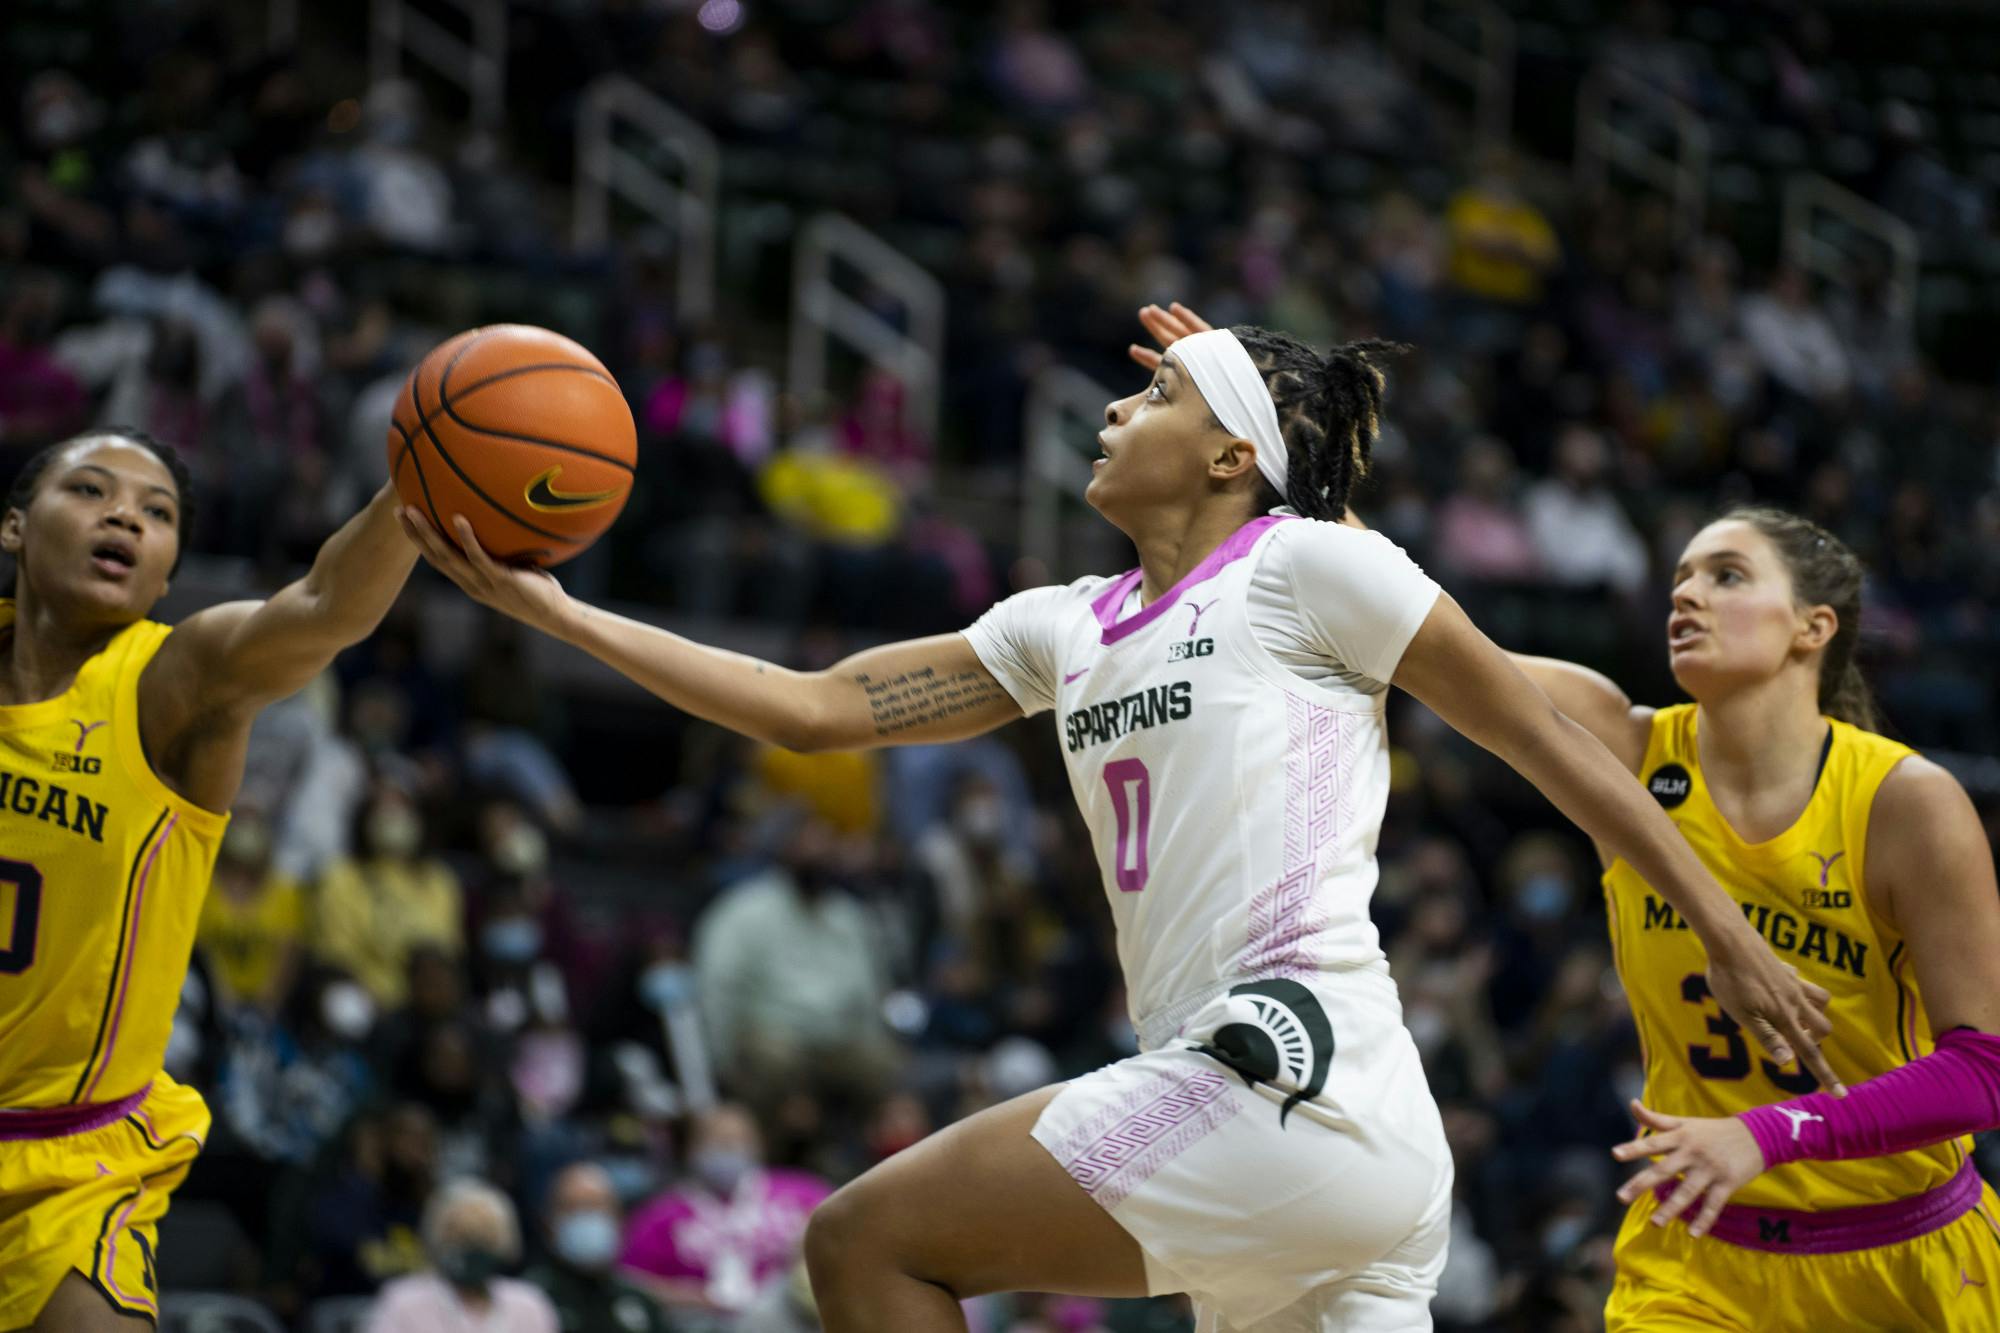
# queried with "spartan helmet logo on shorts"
point(1275, 1032)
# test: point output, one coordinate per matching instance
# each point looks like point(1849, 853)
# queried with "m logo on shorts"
point(1278, 1034)
point(1774, 1230)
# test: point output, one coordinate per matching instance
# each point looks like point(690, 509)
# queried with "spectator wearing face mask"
point(581, 1277)
point(252, 921)
point(376, 907)
point(788, 974)
point(733, 1227)
point(470, 1235)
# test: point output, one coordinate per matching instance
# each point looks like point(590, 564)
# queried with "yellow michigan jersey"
point(1803, 892)
point(102, 873)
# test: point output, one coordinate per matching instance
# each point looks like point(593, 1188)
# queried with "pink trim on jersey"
point(1285, 917)
point(1952, 1091)
point(56, 1122)
point(1842, 1230)
point(1153, 1125)
point(125, 978)
point(1105, 605)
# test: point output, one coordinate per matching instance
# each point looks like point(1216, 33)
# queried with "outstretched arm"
point(201, 691)
point(1459, 673)
point(918, 691)
point(1930, 871)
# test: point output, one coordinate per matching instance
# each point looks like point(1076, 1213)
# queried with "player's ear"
point(10, 531)
point(1235, 458)
point(1817, 626)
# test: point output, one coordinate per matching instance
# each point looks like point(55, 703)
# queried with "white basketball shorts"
point(1280, 1159)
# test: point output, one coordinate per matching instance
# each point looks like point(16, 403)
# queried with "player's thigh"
point(78, 1307)
point(976, 1208)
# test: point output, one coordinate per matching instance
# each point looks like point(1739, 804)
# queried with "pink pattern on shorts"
point(1124, 1144)
point(1285, 917)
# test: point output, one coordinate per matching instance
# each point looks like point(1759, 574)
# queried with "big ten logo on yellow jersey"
point(75, 763)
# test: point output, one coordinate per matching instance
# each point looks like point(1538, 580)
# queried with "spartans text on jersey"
point(52, 803)
point(1153, 706)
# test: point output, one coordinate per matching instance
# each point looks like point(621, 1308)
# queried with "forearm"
point(1596, 792)
point(356, 576)
point(755, 698)
point(1954, 1090)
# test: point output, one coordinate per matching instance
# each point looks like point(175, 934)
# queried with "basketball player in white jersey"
point(1273, 1149)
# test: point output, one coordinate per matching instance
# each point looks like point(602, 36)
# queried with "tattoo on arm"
point(916, 698)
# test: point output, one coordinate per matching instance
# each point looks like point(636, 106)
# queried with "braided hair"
point(1329, 413)
point(29, 479)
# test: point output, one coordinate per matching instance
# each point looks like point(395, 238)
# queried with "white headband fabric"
point(1234, 390)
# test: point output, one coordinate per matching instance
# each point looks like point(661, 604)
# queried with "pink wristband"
point(1952, 1091)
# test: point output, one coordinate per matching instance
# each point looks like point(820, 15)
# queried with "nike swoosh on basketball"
point(542, 494)
point(1070, 676)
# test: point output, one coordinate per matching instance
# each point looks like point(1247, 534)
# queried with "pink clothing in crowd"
point(733, 1246)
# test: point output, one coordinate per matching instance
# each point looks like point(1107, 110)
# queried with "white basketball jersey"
point(1226, 746)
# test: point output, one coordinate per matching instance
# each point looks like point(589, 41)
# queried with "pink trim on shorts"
point(111, 1258)
point(1125, 1144)
point(1841, 1230)
point(1105, 605)
point(58, 1121)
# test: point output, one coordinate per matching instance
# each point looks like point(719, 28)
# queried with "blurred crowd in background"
point(662, 989)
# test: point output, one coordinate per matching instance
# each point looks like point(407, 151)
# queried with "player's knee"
point(836, 1236)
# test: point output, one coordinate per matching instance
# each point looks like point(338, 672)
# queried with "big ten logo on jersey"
point(1823, 896)
point(1187, 648)
point(62, 762)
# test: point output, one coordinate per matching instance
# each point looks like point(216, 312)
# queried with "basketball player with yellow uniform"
point(1866, 867)
point(121, 745)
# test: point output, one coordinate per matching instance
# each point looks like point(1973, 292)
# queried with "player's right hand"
point(528, 594)
point(1176, 321)
point(1784, 1012)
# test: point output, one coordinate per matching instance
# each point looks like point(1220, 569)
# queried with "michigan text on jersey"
point(53, 803)
point(1787, 934)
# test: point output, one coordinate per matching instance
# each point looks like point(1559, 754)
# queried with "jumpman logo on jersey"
point(83, 732)
point(1799, 1119)
point(1825, 864)
point(1965, 1280)
point(1198, 611)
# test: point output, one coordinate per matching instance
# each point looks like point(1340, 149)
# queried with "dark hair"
point(22, 493)
point(1824, 573)
point(1329, 413)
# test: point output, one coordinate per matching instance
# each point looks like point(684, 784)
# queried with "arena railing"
point(1064, 405)
point(1604, 103)
point(1811, 199)
point(477, 62)
point(911, 349)
point(1486, 69)
point(689, 206)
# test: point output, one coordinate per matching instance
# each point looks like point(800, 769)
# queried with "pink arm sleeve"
point(1952, 1091)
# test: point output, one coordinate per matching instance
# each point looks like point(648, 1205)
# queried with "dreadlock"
point(1329, 413)
point(29, 480)
point(1824, 573)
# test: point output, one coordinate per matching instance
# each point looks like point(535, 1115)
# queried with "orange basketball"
point(522, 431)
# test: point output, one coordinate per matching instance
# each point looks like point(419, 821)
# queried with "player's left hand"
point(1713, 1157)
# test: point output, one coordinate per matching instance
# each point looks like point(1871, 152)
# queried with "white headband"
point(1234, 389)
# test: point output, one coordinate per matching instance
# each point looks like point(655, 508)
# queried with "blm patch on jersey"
point(1670, 785)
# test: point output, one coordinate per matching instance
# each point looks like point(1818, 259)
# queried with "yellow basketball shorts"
point(90, 1198)
point(1946, 1280)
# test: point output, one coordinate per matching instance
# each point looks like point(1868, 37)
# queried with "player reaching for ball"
point(1273, 1149)
point(121, 745)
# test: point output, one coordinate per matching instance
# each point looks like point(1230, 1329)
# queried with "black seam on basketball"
point(449, 406)
point(410, 448)
point(425, 418)
point(491, 503)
